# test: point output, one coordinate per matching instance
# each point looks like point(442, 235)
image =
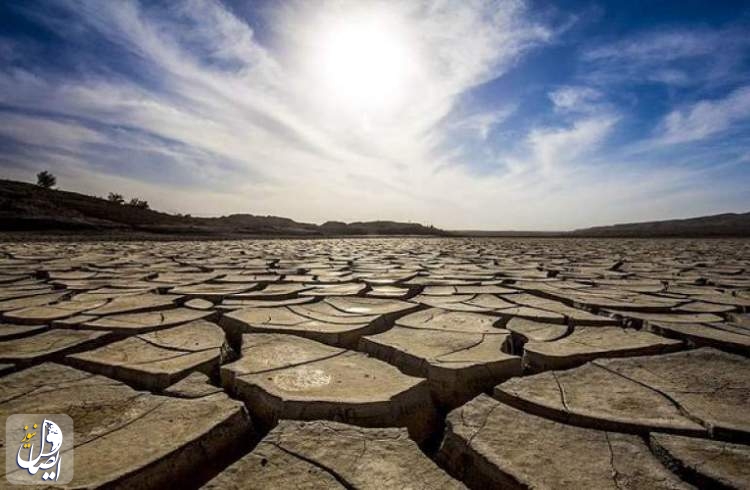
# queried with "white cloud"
point(680, 57)
point(482, 123)
point(63, 134)
point(705, 119)
point(555, 147)
point(658, 46)
point(575, 98)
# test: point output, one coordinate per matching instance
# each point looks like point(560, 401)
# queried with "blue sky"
point(466, 115)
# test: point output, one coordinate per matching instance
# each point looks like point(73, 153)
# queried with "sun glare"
point(362, 61)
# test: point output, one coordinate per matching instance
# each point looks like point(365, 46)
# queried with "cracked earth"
point(385, 363)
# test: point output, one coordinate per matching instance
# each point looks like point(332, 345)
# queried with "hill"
point(27, 207)
point(728, 224)
point(719, 225)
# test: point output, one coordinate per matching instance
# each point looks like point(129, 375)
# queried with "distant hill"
point(378, 228)
point(728, 224)
point(719, 225)
point(27, 207)
point(508, 233)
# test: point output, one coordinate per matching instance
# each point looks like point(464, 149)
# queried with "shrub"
point(115, 198)
point(46, 179)
point(139, 203)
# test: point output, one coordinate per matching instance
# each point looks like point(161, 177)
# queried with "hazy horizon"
point(497, 115)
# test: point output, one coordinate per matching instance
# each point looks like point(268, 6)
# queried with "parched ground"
point(385, 363)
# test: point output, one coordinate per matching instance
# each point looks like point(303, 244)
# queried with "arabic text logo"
point(39, 449)
point(48, 455)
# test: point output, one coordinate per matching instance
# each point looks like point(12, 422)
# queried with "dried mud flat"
point(386, 363)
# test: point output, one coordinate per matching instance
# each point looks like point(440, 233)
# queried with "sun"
point(361, 60)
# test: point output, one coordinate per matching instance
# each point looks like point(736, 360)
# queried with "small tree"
point(115, 198)
point(46, 179)
point(139, 203)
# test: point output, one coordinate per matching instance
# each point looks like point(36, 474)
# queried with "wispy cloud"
point(658, 46)
point(482, 123)
point(684, 56)
point(552, 147)
point(576, 99)
point(705, 118)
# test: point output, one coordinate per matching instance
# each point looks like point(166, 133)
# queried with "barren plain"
point(386, 363)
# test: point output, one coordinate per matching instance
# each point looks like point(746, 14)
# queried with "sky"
point(494, 115)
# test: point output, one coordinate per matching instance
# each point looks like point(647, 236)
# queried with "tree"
point(115, 198)
point(46, 179)
point(139, 203)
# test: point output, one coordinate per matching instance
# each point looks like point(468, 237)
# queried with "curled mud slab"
point(24, 301)
point(212, 292)
point(704, 463)
point(176, 439)
point(199, 304)
point(726, 336)
point(36, 315)
point(9, 331)
point(48, 345)
point(272, 292)
point(461, 354)
point(335, 321)
point(322, 454)
point(491, 445)
point(585, 344)
point(703, 392)
point(289, 377)
point(574, 315)
point(133, 323)
point(158, 359)
point(194, 385)
point(135, 303)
